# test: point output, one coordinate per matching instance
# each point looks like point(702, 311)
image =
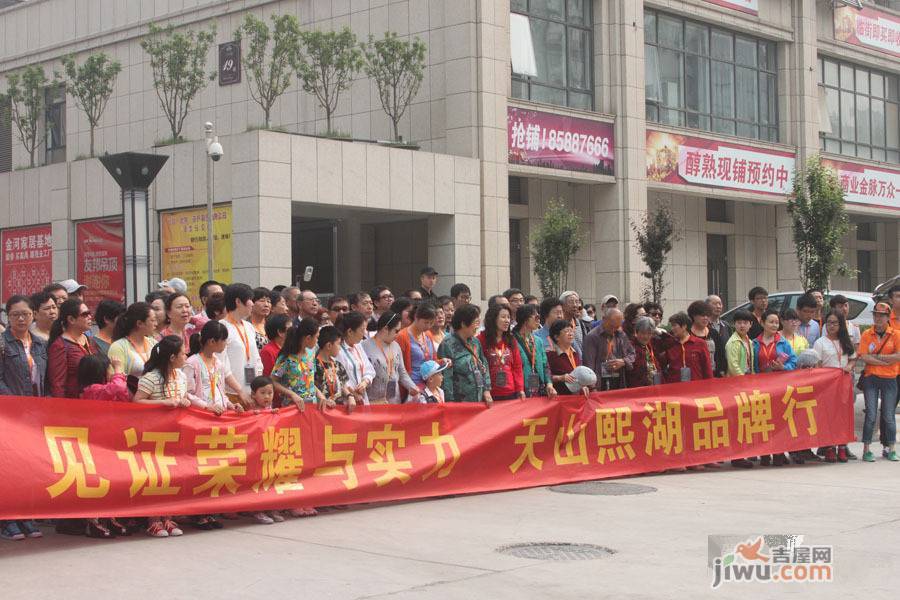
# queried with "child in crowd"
point(433, 375)
point(294, 372)
point(739, 357)
point(98, 379)
point(331, 376)
point(163, 383)
point(207, 377)
point(262, 392)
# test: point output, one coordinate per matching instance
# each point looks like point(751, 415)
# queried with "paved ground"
point(446, 548)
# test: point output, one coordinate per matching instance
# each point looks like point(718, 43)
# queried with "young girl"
point(207, 378)
point(295, 369)
point(99, 381)
point(262, 392)
point(331, 376)
point(163, 383)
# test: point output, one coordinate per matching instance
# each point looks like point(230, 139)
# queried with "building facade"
point(613, 107)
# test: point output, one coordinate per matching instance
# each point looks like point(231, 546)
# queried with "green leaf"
point(728, 560)
point(553, 244)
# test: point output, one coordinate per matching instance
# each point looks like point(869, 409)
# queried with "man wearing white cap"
point(73, 288)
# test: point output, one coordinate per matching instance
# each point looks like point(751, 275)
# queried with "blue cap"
point(429, 368)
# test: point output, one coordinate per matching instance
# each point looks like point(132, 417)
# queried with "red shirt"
point(561, 363)
point(63, 357)
point(269, 354)
point(693, 354)
point(504, 361)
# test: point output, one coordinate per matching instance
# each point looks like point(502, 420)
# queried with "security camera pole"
point(213, 152)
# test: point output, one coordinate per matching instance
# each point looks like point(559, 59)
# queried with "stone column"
point(618, 56)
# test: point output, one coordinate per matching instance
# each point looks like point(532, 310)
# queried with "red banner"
point(688, 160)
point(27, 259)
point(866, 185)
point(100, 257)
point(751, 7)
point(541, 139)
point(70, 458)
point(869, 28)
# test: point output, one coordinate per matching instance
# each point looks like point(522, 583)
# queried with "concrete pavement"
point(446, 548)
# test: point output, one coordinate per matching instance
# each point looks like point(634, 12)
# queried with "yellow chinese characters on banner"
point(182, 235)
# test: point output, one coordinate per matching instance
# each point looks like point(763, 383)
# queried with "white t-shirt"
point(831, 353)
point(237, 351)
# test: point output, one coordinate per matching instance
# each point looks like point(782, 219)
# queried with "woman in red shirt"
point(561, 356)
point(68, 345)
point(504, 361)
point(276, 330)
point(685, 357)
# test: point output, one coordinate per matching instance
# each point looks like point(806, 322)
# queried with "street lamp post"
point(134, 173)
point(214, 152)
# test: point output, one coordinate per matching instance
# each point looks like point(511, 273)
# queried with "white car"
point(861, 305)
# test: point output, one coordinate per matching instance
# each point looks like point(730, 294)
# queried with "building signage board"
point(182, 235)
point(100, 260)
point(751, 7)
point(868, 28)
point(542, 139)
point(683, 159)
point(868, 186)
point(27, 262)
point(229, 63)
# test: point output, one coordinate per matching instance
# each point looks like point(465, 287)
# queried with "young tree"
point(820, 222)
point(326, 65)
point(25, 95)
point(397, 66)
point(655, 236)
point(178, 62)
point(269, 70)
point(553, 244)
point(91, 85)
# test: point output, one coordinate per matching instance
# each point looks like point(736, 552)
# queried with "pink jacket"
point(116, 390)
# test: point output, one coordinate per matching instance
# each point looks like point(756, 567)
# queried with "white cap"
point(176, 283)
point(72, 286)
point(584, 378)
point(607, 298)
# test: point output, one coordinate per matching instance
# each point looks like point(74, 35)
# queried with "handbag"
point(860, 383)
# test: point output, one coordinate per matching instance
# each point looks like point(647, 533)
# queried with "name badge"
point(391, 390)
point(685, 373)
point(249, 374)
point(500, 379)
point(533, 384)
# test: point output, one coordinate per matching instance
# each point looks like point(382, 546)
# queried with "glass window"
point(55, 123)
point(864, 118)
point(708, 78)
point(552, 55)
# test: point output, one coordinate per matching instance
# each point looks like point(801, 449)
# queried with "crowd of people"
point(245, 349)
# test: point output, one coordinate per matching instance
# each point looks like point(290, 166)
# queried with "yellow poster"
point(182, 235)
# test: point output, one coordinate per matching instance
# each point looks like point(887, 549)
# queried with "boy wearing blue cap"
point(433, 375)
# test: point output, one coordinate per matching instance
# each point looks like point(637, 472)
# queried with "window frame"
point(54, 103)
point(834, 142)
point(706, 120)
point(527, 81)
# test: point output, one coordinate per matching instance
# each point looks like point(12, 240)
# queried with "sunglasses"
point(86, 313)
point(340, 308)
point(656, 314)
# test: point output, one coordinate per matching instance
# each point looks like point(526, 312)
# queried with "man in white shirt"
point(240, 350)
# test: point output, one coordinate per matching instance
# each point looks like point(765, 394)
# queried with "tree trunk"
point(266, 110)
point(92, 141)
point(396, 130)
point(328, 123)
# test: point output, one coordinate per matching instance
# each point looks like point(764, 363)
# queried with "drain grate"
point(556, 551)
point(603, 488)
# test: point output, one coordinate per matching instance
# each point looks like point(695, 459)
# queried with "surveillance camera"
point(215, 151)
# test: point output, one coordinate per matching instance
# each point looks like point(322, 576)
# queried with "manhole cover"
point(556, 551)
point(603, 488)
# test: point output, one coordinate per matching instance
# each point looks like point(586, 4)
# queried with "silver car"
point(861, 305)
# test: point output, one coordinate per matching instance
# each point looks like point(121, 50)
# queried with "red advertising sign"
point(751, 7)
point(867, 185)
point(868, 28)
point(101, 260)
point(541, 139)
point(62, 459)
point(682, 159)
point(27, 259)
